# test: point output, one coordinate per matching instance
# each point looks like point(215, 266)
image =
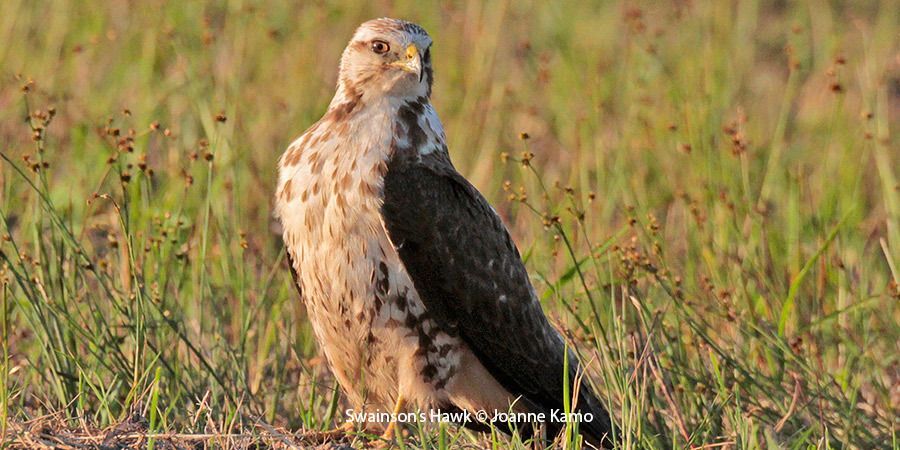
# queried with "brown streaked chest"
point(329, 200)
point(362, 304)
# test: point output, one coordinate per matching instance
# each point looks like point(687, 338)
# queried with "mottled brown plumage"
point(413, 285)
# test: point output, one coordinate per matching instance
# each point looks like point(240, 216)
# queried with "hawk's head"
point(389, 57)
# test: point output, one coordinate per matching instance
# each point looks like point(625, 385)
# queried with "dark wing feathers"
point(471, 279)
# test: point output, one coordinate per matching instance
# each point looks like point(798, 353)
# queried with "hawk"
point(416, 293)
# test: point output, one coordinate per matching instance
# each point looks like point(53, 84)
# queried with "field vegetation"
point(705, 194)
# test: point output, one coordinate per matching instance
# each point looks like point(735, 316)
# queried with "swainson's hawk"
point(416, 293)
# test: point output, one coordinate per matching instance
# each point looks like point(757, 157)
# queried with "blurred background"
point(705, 193)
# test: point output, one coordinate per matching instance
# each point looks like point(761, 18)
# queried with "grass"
point(705, 192)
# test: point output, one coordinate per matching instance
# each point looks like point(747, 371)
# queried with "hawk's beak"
point(413, 62)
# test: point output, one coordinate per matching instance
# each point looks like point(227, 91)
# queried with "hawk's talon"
point(389, 432)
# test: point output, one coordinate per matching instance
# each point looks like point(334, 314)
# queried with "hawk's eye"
point(380, 47)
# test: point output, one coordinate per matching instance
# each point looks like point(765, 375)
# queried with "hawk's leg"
point(391, 428)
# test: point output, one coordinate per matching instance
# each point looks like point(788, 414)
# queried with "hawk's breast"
point(365, 312)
